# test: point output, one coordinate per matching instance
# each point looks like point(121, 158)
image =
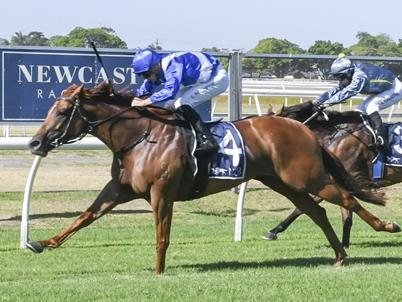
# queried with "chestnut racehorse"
point(346, 136)
point(151, 160)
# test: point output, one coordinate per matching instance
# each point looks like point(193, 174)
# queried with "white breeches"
point(382, 100)
point(197, 94)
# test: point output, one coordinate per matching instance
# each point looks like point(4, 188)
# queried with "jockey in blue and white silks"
point(381, 84)
point(187, 79)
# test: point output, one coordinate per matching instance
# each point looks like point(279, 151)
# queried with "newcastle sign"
point(32, 78)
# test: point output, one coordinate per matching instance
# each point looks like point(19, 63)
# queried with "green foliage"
point(379, 45)
point(274, 66)
point(79, 37)
point(4, 42)
point(34, 38)
point(321, 47)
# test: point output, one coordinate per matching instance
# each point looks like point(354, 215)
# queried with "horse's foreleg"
point(282, 226)
point(347, 221)
point(163, 212)
point(111, 195)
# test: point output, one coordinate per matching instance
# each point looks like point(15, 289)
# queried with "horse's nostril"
point(34, 144)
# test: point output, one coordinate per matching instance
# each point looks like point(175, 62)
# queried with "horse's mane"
point(305, 110)
point(104, 92)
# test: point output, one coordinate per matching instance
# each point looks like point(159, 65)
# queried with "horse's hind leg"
point(112, 194)
point(343, 198)
point(308, 206)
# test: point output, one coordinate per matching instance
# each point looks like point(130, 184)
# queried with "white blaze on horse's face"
point(57, 115)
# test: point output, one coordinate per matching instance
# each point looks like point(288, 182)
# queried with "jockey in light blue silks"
point(382, 86)
point(188, 79)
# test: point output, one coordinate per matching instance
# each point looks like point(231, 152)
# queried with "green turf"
point(114, 259)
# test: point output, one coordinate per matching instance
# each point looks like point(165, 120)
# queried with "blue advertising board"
point(32, 78)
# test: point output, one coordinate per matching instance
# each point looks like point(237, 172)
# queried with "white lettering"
point(52, 94)
point(102, 74)
point(64, 72)
point(81, 74)
point(27, 74)
point(39, 94)
point(69, 74)
point(43, 74)
point(118, 73)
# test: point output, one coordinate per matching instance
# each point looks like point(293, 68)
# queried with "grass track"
point(113, 260)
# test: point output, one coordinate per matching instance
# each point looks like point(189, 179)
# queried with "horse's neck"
point(336, 131)
point(106, 117)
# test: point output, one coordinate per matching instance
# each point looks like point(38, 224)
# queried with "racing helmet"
point(144, 60)
point(341, 66)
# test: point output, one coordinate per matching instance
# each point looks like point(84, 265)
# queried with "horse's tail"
point(359, 187)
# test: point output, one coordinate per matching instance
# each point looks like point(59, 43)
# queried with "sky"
point(192, 25)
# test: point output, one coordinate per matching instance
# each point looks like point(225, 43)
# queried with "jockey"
point(382, 86)
point(188, 79)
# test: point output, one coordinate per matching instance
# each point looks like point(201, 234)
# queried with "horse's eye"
point(62, 113)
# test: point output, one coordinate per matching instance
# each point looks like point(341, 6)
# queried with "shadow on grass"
point(74, 214)
point(296, 262)
point(377, 244)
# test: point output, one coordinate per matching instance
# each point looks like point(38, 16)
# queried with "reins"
point(92, 125)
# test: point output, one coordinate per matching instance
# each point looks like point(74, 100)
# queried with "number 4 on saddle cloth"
point(393, 156)
point(229, 162)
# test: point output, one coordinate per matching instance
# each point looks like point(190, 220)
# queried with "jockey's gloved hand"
point(318, 106)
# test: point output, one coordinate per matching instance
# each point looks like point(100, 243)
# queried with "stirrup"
point(380, 141)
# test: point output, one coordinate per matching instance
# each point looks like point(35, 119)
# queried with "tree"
point(19, 39)
point(34, 38)
point(321, 47)
point(278, 67)
point(321, 68)
point(4, 42)
point(379, 45)
point(79, 37)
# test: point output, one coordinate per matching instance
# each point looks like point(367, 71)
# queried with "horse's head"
point(299, 112)
point(63, 123)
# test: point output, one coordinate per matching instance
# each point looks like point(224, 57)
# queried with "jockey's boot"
point(206, 142)
point(379, 130)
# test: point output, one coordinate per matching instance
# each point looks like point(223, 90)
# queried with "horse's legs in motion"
point(343, 198)
point(111, 195)
point(307, 205)
point(283, 225)
point(347, 221)
point(163, 212)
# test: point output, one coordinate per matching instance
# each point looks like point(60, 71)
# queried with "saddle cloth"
point(230, 160)
point(394, 152)
point(393, 156)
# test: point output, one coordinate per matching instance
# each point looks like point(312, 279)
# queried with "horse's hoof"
point(35, 246)
point(396, 226)
point(340, 263)
point(269, 236)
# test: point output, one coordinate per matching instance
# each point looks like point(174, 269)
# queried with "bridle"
point(91, 126)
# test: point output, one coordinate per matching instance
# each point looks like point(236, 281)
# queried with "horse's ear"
point(77, 92)
point(269, 111)
point(110, 86)
point(280, 112)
